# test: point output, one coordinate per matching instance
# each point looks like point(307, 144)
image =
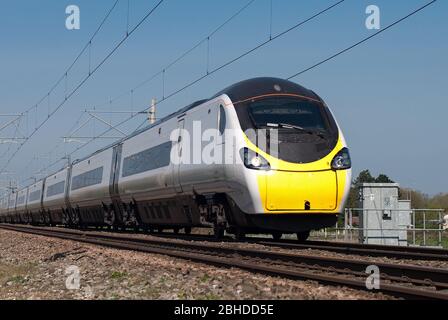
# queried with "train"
point(293, 178)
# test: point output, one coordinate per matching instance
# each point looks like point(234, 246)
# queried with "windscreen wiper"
point(291, 126)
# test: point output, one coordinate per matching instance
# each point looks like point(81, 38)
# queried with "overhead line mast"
point(69, 95)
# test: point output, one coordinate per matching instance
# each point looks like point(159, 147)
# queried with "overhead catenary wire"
point(388, 27)
point(65, 74)
point(232, 61)
point(16, 132)
point(86, 46)
point(83, 81)
point(361, 41)
point(70, 67)
point(179, 58)
point(297, 25)
point(53, 149)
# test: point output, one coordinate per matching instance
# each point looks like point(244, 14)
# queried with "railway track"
point(398, 252)
point(398, 280)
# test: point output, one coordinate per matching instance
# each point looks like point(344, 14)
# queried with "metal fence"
point(425, 227)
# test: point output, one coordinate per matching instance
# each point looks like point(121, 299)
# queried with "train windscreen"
point(306, 130)
point(288, 113)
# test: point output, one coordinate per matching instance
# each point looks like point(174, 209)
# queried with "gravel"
point(373, 260)
point(36, 267)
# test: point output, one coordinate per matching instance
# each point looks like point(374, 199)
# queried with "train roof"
point(237, 92)
point(264, 86)
point(137, 132)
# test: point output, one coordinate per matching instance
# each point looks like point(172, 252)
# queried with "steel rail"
point(399, 252)
point(328, 270)
point(412, 253)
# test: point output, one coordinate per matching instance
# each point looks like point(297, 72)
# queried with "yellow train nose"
point(301, 191)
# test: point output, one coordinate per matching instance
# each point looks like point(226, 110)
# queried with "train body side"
point(89, 188)
point(55, 197)
point(21, 212)
point(12, 199)
point(34, 203)
point(3, 209)
point(136, 182)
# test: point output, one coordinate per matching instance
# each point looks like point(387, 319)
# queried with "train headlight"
point(342, 160)
point(252, 160)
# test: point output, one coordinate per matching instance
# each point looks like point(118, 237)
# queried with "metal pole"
point(414, 226)
point(440, 229)
point(424, 228)
point(152, 112)
point(350, 217)
point(345, 223)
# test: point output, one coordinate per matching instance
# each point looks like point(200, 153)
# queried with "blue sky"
point(389, 95)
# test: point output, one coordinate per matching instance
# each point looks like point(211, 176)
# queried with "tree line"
point(419, 200)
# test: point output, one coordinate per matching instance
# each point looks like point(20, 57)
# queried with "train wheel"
point(277, 235)
point(303, 236)
point(218, 231)
point(75, 218)
point(176, 230)
point(240, 235)
point(109, 217)
point(65, 217)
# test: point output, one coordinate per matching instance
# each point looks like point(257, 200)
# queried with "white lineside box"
point(383, 218)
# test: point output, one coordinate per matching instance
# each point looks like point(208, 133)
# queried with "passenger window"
point(149, 159)
point(87, 179)
point(222, 120)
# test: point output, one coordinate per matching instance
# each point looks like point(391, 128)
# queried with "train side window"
point(146, 160)
point(56, 189)
point(34, 196)
point(222, 120)
point(87, 179)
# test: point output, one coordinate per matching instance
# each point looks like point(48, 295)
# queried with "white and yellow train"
point(301, 186)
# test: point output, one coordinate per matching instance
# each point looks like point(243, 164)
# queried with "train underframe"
point(215, 211)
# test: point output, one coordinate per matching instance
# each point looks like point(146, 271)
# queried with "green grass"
point(208, 296)
point(114, 296)
point(15, 273)
point(182, 295)
point(432, 238)
point(17, 279)
point(118, 275)
point(152, 293)
point(205, 278)
point(163, 280)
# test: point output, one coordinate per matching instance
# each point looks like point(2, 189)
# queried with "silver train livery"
point(134, 183)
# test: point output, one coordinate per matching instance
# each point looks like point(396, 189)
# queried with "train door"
point(115, 171)
point(178, 150)
point(67, 212)
point(113, 186)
